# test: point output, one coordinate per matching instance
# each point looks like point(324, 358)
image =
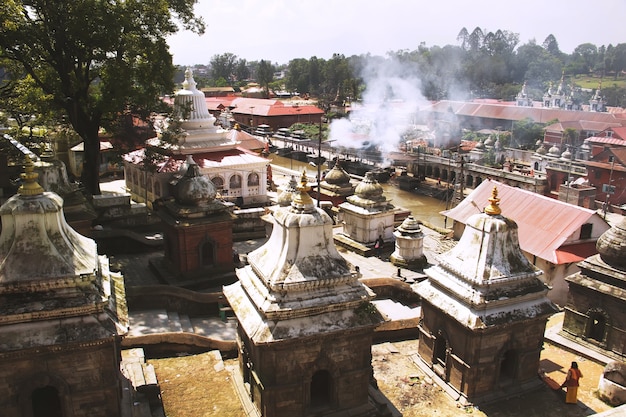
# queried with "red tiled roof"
point(544, 224)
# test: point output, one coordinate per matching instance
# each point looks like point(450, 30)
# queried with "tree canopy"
point(95, 60)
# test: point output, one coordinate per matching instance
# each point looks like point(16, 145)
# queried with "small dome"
point(567, 155)
point(554, 151)
point(612, 245)
point(337, 175)
point(542, 149)
point(194, 188)
point(410, 226)
point(284, 198)
point(369, 188)
point(480, 145)
point(489, 141)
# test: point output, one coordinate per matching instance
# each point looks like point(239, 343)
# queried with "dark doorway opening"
point(320, 389)
point(440, 357)
point(597, 327)
point(207, 253)
point(508, 365)
point(46, 402)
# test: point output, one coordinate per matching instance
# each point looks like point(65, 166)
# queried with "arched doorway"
point(207, 253)
point(321, 383)
point(596, 326)
point(46, 402)
point(508, 366)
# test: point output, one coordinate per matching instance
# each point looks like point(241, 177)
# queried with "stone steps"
point(162, 321)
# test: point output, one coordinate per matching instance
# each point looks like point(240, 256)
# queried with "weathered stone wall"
point(582, 301)
point(87, 379)
point(474, 358)
point(285, 371)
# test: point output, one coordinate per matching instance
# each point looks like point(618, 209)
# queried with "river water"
point(422, 207)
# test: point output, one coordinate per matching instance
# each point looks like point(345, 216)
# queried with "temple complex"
point(239, 175)
point(595, 314)
point(305, 322)
point(484, 313)
point(198, 231)
point(62, 313)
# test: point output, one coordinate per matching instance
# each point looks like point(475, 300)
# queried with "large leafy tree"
point(96, 59)
point(265, 75)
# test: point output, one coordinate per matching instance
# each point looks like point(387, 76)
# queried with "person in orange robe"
point(571, 383)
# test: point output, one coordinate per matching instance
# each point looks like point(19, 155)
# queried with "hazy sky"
point(280, 30)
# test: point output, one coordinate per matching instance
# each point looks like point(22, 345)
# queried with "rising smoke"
point(390, 104)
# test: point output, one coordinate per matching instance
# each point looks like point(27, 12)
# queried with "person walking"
point(571, 383)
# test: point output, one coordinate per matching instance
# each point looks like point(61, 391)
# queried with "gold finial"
point(493, 208)
point(302, 197)
point(29, 186)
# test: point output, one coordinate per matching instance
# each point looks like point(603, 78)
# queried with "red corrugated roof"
point(606, 141)
point(544, 224)
point(575, 253)
point(505, 111)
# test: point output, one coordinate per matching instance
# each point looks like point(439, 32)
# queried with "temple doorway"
point(441, 353)
point(508, 365)
point(46, 402)
point(320, 389)
point(207, 253)
point(597, 327)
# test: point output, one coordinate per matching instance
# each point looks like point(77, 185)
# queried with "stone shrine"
point(198, 231)
point(484, 312)
point(367, 214)
point(409, 248)
point(336, 185)
point(62, 313)
point(305, 321)
point(595, 313)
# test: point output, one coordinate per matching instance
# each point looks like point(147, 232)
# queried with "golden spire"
point(493, 208)
point(302, 197)
point(29, 186)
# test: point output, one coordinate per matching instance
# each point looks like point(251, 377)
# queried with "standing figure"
point(379, 245)
point(571, 383)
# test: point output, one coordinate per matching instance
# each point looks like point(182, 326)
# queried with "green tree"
point(525, 133)
point(223, 66)
point(96, 59)
point(265, 75)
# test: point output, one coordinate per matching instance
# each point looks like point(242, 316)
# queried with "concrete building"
point(62, 313)
point(305, 322)
point(484, 312)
